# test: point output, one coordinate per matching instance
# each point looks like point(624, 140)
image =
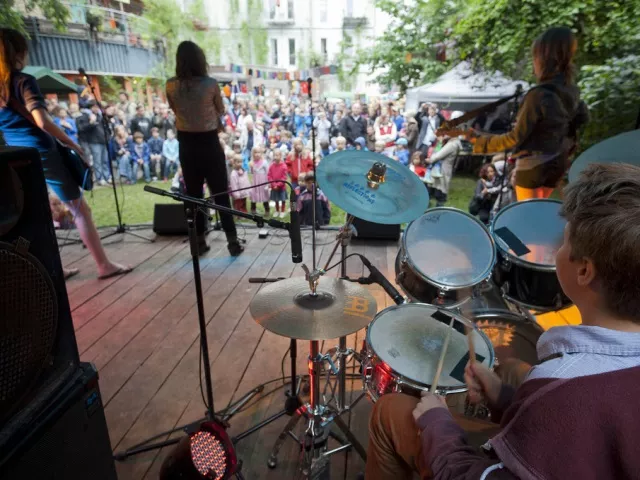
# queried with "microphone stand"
point(293, 401)
point(120, 228)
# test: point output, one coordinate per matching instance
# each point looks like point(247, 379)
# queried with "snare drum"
point(444, 254)
point(403, 347)
point(528, 235)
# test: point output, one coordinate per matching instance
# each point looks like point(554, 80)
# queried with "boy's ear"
point(586, 272)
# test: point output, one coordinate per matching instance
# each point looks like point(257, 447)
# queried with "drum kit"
point(465, 284)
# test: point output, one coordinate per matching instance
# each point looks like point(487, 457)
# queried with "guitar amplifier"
point(376, 231)
point(170, 219)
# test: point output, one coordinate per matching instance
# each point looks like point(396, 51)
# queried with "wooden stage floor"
point(141, 332)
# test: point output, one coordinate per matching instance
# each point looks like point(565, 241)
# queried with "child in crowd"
point(416, 165)
point(379, 147)
point(324, 148)
point(434, 170)
point(278, 171)
point(121, 146)
point(62, 216)
point(260, 175)
point(402, 152)
point(341, 144)
point(237, 181)
point(155, 154)
point(140, 156)
point(170, 152)
point(177, 184)
point(305, 204)
point(360, 144)
point(298, 161)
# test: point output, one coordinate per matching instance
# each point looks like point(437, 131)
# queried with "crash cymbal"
point(622, 148)
point(289, 309)
point(357, 182)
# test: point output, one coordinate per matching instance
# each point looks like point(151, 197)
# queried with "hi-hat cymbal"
point(288, 308)
point(398, 198)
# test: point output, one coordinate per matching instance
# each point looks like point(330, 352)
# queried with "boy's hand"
point(428, 402)
point(482, 383)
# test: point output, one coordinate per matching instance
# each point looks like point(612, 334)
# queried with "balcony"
point(101, 40)
point(354, 22)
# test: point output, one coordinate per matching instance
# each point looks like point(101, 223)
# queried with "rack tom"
point(528, 235)
point(445, 253)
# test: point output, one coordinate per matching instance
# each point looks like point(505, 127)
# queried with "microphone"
point(381, 280)
point(294, 230)
point(157, 191)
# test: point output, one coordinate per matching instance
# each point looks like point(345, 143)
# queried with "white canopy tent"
point(462, 89)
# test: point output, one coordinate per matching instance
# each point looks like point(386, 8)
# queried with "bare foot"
point(113, 269)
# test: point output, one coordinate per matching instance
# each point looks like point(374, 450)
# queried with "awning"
point(50, 81)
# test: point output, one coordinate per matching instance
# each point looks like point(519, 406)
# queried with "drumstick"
point(443, 353)
point(472, 349)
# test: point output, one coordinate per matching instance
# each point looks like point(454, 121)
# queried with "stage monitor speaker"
point(69, 439)
point(170, 219)
point(376, 231)
point(38, 350)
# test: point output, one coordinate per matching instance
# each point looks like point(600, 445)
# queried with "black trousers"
point(202, 158)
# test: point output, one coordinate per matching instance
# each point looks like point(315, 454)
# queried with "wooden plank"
point(173, 396)
point(135, 255)
point(121, 297)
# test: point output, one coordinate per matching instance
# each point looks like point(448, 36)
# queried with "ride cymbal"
point(288, 308)
point(372, 187)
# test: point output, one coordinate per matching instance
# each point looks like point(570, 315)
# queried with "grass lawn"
point(137, 205)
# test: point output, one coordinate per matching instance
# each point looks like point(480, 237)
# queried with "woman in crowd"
point(196, 100)
point(545, 134)
point(485, 194)
point(25, 122)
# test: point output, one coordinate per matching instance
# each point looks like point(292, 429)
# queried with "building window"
point(290, 9)
point(273, 5)
point(323, 49)
point(274, 51)
point(240, 50)
point(292, 51)
point(349, 8)
point(324, 14)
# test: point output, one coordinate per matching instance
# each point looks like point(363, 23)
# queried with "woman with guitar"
point(25, 122)
point(545, 134)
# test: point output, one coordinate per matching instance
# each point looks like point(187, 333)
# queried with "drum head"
point(449, 248)
point(511, 335)
point(530, 232)
point(409, 340)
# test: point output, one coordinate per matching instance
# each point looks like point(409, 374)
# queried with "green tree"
point(252, 34)
point(407, 53)
point(54, 10)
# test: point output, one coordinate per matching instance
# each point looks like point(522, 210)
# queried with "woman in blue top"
point(19, 131)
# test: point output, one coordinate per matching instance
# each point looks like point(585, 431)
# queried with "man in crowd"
point(141, 123)
point(428, 122)
point(354, 125)
point(91, 132)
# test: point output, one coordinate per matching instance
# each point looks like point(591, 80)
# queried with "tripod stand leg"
point(272, 462)
point(351, 437)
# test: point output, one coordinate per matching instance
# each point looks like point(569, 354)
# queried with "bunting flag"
point(280, 75)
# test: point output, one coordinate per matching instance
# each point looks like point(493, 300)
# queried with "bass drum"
point(445, 253)
point(528, 234)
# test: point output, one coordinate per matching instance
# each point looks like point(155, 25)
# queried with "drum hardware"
point(376, 175)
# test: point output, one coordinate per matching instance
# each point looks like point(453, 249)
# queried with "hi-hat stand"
point(120, 228)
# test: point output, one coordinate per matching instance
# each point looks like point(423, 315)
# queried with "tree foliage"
point(54, 10)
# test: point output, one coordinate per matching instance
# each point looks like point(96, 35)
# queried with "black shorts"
point(547, 174)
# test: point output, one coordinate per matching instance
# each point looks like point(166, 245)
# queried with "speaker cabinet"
point(170, 219)
point(376, 231)
point(38, 352)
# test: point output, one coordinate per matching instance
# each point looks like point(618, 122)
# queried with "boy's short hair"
point(155, 130)
point(324, 144)
point(341, 139)
point(602, 207)
point(236, 157)
point(138, 135)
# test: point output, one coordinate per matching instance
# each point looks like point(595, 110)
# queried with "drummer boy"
point(572, 416)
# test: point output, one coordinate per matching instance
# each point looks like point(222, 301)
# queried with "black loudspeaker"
point(170, 219)
point(376, 231)
point(38, 351)
point(69, 440)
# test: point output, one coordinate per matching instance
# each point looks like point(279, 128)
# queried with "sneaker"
point(102, 182)
point(427, 177)
point(283, 214)
point(155, 179)
point(436, 171)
